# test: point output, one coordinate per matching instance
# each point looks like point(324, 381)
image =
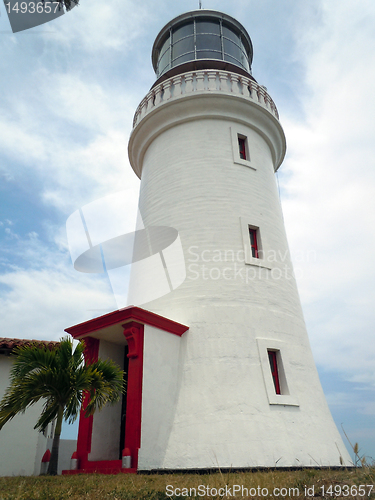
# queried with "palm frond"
point(32, 358)
point(60, 378)
point(49, 413)
point(106, 385)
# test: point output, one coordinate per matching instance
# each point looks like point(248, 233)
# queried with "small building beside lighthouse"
point(219, 367)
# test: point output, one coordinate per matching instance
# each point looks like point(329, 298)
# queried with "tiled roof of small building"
point(7, 345)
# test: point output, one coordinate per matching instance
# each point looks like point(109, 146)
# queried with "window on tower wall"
point(272, 357)
point(277, 372)
point(242, 148)
point(254, 243)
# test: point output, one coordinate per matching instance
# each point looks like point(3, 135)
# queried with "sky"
point(69, 92)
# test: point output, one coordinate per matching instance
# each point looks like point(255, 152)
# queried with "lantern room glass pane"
point(182, 47)
point(228, 33)
point(208, 42)
point(243, 48)
point(232, 60)
point(208, 27)
point(232, 49)
point(164, 61)
point(209, 54)
point(245, 61)
point(165, 46)
point(184, 58)
point(182, 31)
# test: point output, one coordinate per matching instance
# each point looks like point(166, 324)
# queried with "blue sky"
point(69, 92)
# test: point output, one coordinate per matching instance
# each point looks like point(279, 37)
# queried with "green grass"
point(153, 487)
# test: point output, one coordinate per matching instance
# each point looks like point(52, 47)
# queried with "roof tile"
point(9, 344)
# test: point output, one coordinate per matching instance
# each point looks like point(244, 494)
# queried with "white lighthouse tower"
point(220, 370)
point(206, 143)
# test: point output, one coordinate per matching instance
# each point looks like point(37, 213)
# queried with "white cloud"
point(46, 295)
point(80, 100)
point(346, 400)
point(65, 129)
point(101, 26)
point(41, 303)
point(328, 187)
point(19, 142)
point(85, 173)
point(73, 141)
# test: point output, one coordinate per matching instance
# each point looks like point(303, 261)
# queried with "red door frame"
point(85, 423)
point(134, 334)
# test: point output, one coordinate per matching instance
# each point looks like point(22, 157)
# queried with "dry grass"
point(153, 487)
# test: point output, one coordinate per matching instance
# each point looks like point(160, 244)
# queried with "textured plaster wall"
point(67, 447)
point(161, 382)
point(218, 412)
point(21, 446)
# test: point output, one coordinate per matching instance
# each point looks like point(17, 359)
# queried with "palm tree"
point(59, 377)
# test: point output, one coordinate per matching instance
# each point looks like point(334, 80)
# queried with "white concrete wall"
point(105, 443)
point(66, 450)
point(21, 446)
point(219, 413)
point(160, 387)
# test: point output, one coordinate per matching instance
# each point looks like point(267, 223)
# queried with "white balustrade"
point(201, 81)
point(211, 75)
point(167, 90)
point(189, 83)
point(223, 77)
point(177, 86)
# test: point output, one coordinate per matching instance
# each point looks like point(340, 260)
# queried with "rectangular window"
point(272, 356)
point(277, 373)
point(242, 147)
point(254, 243)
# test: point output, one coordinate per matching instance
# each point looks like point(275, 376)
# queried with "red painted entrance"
point(130, 323)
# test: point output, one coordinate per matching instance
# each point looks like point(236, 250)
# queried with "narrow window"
point(272, 356)
point(253, 243)
point(242, 148)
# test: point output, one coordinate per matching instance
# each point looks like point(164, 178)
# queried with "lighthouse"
point(219, 365)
